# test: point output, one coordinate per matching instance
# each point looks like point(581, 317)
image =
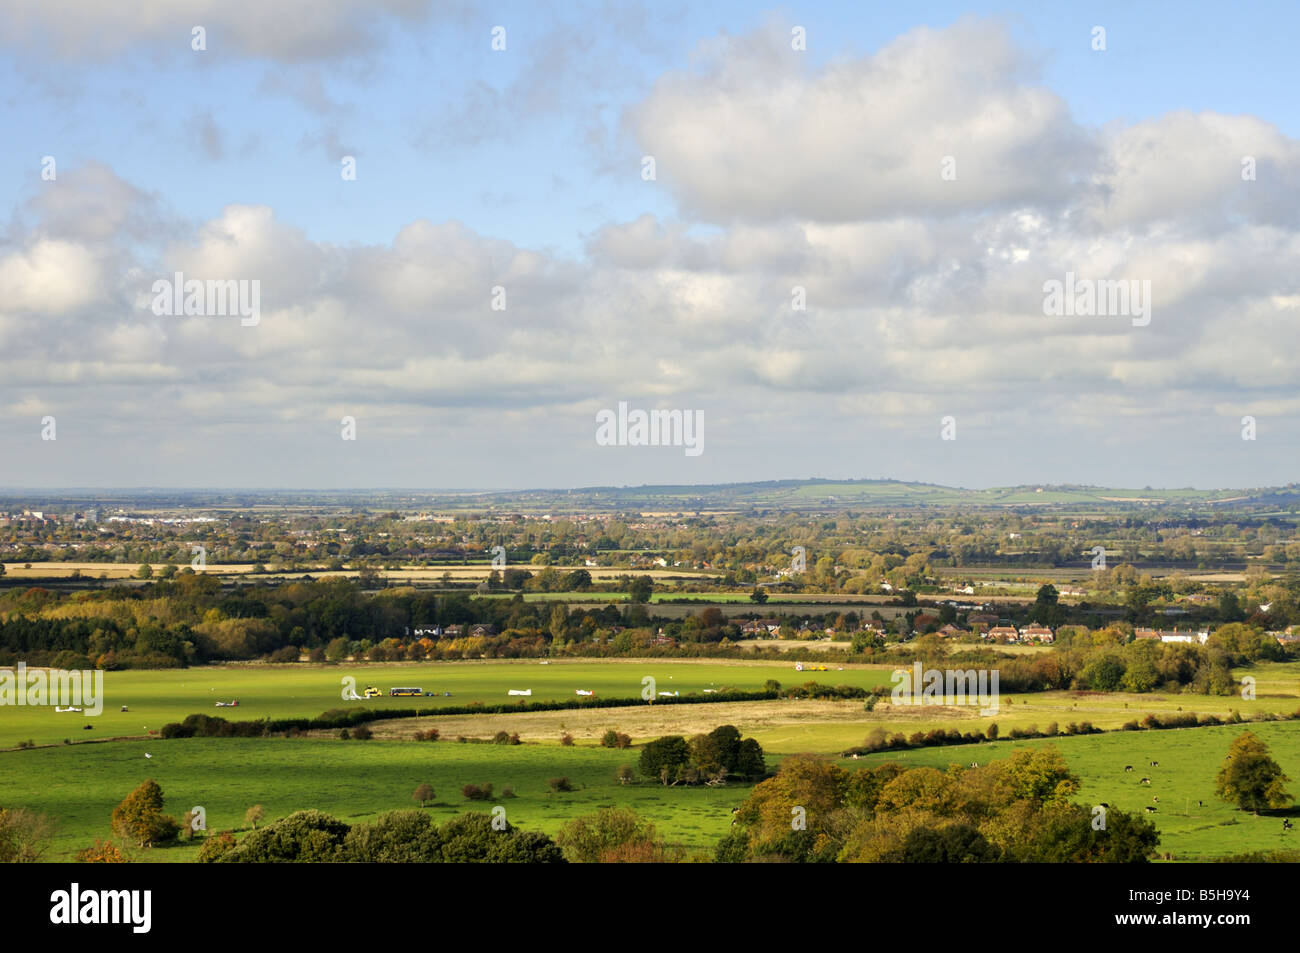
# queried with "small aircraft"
point(230, 704)
point(579, 691)
point(57, 708)
point(520, 691)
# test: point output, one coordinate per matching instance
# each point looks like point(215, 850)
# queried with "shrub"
point(362, 733)
point(615, 739)
point(560, 784)
point(476, 792)
point(566, 740)
point(104, 852)
point(304, 836)
point(215, 846)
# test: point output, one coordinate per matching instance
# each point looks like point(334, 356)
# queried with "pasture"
point(157, 697)
point(356, 781)
point(1188, 760)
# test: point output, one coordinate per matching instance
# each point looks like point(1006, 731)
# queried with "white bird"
point(148, 755)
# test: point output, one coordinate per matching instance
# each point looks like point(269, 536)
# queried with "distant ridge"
point(813, 494)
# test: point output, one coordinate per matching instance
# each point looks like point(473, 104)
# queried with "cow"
point(1128, 767)
point(1149, 809)
point(1155, 764)
point(1155, 800)
point(1145, 781)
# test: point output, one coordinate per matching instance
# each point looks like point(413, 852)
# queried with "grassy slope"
point(358, 780)
point(1188, 760)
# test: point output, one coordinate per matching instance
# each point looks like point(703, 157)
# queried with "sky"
point(826, 231)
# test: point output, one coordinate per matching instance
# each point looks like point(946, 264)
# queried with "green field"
point(79, 784)
point(1189, 759)
point(303, 691)
point(354, 780)
point(358, 780)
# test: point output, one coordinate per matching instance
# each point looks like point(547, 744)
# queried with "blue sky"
point(526, 163)
point(538, 181)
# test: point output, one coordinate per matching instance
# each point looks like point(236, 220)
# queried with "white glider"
point(520, 691)
point(579, 691)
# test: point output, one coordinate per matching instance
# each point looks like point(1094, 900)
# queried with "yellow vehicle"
point(373, 692)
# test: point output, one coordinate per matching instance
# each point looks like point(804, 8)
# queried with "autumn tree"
point(423, 793)
point(1250, 777)
point(253, 815)
point(140, 817)
point(609, 834)
point(24, 835)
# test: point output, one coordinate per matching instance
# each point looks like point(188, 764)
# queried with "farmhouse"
point(1005, 633)
point(1037, 633)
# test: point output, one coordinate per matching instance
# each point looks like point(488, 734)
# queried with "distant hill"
point(811, 495)
point(822, 494)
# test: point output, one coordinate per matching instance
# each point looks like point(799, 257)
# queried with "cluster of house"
point(478, 629)
point(771, 628)
point(1009, 633)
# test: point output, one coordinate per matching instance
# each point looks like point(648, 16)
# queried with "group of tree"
point(398, 837)
point(704, 759)
point(1015, 809)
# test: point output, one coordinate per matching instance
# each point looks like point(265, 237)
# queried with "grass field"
point(353, 780)
point(299, 691)
point(356, 781)
point(1189, 759)
point(79, 784)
